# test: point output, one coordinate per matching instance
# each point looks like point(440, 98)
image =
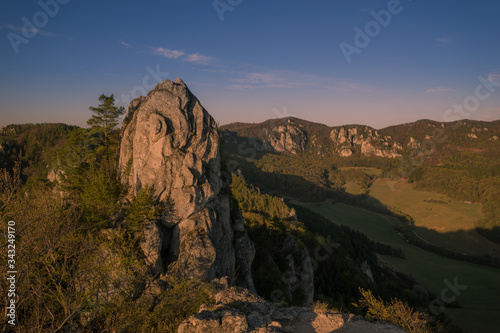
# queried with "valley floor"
point(439, 220)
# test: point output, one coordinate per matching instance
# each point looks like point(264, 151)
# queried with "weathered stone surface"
point(244, 252)
point(238, 310)
point(215, 322)
point(287, 138)
point(369, 141)
point(151, 246)
point(170, 143)
point(306, 276)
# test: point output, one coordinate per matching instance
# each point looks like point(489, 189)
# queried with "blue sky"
point(251, 60)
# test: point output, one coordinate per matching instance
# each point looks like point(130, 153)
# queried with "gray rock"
point(170, 143)
point(369, 141)
point(287, 138)
point(215, 322)
point(151, 246)
point(244, 300)
point(299, 274)
point(238, 310)
point(366, 269)
point(307, 276)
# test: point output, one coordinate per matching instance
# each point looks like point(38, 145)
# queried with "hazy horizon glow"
point(263, 60)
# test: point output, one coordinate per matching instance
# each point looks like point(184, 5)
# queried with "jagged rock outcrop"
point(277, 135)
point(238, 311)
point(371, 143)
point(170, 143)
point(413, 144)
point(299, 273)
point(286, 138)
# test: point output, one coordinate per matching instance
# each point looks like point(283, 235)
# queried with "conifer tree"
point(104, 121)
point(106, 115)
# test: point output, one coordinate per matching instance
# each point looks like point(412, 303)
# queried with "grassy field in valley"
point(438, 219)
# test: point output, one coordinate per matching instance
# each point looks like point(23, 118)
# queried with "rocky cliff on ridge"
point(170, 143)
point(293, 136)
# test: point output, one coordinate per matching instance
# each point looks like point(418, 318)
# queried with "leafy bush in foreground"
point(395, 312)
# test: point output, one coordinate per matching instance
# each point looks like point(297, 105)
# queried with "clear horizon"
point(370, 62)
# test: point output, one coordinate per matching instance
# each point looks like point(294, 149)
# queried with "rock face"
point(371, 143)
point(298, 275)
point(170, 143)
point(238, 311)
point(287, 138)
point(277, 135)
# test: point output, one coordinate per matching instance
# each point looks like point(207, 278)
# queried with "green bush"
point(395, 312)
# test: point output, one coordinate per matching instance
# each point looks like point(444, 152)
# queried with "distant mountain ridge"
point(293, 135)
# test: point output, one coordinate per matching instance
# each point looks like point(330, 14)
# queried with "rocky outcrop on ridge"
point(276, 135)
point(170, 143)
point(287, 138)
point(370, 142)
point(238, 311)
point(293, 136)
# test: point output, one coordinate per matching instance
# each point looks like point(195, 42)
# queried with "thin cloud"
point(289, 79)
point(198, 58)
point(275, 79)
point(283, 79)
point(18, 29)
point(240, 87)
point(167, 53)
point(440, 90)
point(124, 44)
point(444, 40)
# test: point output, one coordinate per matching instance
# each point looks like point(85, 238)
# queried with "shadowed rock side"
point(171, 144)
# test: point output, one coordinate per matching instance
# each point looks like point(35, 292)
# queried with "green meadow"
point(438, 219)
